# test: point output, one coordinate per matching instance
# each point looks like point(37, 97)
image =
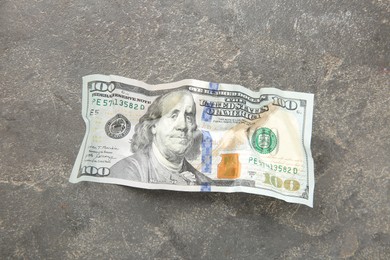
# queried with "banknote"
point(198, 136)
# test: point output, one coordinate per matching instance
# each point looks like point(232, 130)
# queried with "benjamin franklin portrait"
point(165, 138)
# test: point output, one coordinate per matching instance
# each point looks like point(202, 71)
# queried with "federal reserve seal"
point(118, 127)
point(264, 140)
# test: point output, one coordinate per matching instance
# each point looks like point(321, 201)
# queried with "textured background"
point(338, 50)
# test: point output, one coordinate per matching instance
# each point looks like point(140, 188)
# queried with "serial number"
point(116, 102)
point(273, 167)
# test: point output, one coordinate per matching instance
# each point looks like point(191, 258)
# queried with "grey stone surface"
point(338, 50)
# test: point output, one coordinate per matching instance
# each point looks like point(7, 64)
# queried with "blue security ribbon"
point(206, 115)
point(205, 187)
point(207, 149)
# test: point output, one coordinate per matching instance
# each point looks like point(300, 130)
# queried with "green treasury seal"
point(117, 127)
point(264, 140)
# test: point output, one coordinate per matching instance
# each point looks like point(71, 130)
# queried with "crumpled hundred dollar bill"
point(194, 135)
